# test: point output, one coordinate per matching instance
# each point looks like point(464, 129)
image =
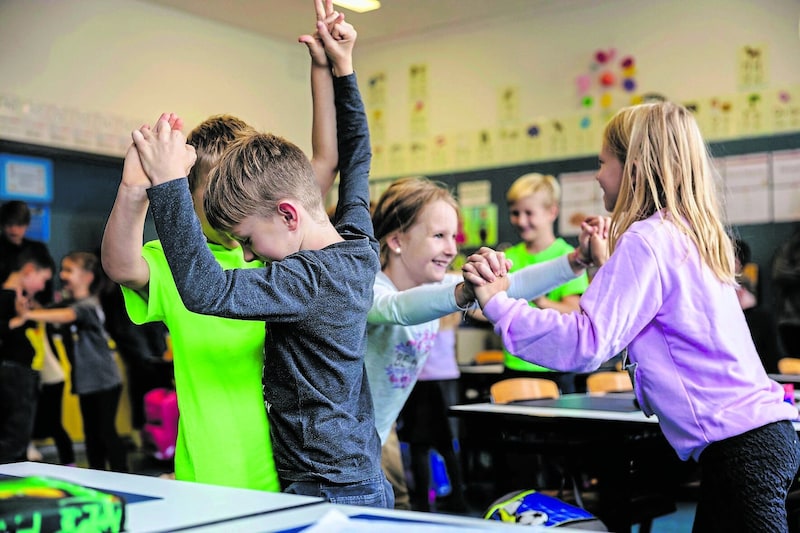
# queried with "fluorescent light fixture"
point(359, 6)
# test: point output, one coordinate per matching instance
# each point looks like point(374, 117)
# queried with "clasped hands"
point(486, 271)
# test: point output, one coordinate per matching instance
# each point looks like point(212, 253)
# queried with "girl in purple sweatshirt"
point(667, 293)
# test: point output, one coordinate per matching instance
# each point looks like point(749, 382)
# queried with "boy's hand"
point(338, 43)
point(163, 151)
point(484, 266)
point(330, 18)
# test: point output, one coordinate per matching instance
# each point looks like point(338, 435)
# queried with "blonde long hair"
point(666, 167)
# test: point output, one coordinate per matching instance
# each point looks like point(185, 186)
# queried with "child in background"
point(668, 293)
point(314, 294)
point(533, 209)
point(223, 436)
point(19, 382)
point(416, 222)
point(95, 375)
point(49, 407)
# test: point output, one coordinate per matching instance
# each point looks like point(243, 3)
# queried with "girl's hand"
point(484, 266)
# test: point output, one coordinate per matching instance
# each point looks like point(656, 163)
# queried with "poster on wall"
point(786, 185)
point(581, 197)
point(26, 178)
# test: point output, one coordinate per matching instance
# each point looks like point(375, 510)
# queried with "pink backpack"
point(161, 428)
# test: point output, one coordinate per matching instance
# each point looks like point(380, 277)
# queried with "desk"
point(161, 505)
point(785, 378)
point(384, 520)
point(166, 505)
point(624, 449)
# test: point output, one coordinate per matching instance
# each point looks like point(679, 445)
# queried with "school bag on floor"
point(529, 507)
point(160, 431)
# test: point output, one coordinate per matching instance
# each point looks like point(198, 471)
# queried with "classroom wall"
point(133, 59)
point(683, 50)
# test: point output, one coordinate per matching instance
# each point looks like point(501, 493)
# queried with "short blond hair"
point(210, 139)
point(530, 184)
point(257, 171)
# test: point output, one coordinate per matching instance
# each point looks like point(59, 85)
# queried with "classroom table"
point(160, 505)
point(368, 519)
point(636, 468)
point(785, 378)
point(155, 505)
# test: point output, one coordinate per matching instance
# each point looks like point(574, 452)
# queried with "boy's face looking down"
point(267, 237)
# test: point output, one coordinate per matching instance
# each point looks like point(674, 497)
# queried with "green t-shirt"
point(522, 258)
point(223, 434)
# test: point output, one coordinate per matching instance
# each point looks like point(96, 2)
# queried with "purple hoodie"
point(692, 358)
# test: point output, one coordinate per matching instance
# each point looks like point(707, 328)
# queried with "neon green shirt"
point(522, 258)
point(223, 433)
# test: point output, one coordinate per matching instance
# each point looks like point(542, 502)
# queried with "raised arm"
point(325, 153)
point(121, 250)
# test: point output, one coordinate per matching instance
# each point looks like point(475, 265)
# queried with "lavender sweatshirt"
point(691, 356)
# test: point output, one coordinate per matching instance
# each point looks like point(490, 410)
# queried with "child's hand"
point(593, 240)
point(338, 43)
point(330, 18)
point(163, 151)
point(485, 265)
point(132, 172)
point(486, 292)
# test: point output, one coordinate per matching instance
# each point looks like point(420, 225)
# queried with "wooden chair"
point(514, 389)
point(609, 381)
point(789, 365)
point(489, 357)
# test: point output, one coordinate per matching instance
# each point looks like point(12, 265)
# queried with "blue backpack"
point(530, 507)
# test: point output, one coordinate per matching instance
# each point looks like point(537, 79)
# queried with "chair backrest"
point(488, 357)
point(789, 365)
point(513, 389)
point(610, 381)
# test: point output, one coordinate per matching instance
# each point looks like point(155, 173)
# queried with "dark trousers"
point(48, 421)
point(745, 480)
point(19, 388)
point(103, 444)
point(425, 425)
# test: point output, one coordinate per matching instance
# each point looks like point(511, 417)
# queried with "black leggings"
point(99, 412)
point(48, 421)
point(745, 479)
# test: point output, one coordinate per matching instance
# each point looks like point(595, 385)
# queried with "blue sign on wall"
point(26, 178)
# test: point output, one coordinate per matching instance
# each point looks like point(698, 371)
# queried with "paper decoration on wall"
point(751, 118)
point(418, 100)
point(609, 84)
point(753, 67)
point(376, 90)
point(508, 106)
point(785, 109)
point(480, 225)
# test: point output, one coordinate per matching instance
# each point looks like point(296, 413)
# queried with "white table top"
point(368, 519)
point(154, 504)
point(556, 412)
point(494, 368)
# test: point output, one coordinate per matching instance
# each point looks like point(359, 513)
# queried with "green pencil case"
point(42, 505)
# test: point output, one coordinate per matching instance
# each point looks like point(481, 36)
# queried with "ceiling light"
point(359, 6)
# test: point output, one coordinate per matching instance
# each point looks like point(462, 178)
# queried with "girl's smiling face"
point(609, 176)
point(74, 278)
point(427, 248)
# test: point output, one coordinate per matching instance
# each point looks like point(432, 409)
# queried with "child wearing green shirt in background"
point(533, 209)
